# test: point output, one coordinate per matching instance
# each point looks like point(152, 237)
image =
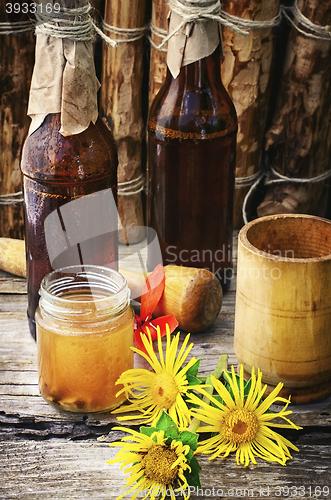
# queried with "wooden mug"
point(283, 303)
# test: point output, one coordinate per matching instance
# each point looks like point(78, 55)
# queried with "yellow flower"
point(156, 467)
point(239, 421)
point(164, 389)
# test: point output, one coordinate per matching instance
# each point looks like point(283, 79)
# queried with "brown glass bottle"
point(191, 169)
point(58, 175)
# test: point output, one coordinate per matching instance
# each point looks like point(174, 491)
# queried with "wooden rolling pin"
point(193, 295)
point(12, 256)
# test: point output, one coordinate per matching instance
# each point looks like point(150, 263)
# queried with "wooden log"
point(246, 74)
point(12, 256)
point(193, 295)
point(158, 57)
point(120, 107)
point(16, 65)
point(299, 139)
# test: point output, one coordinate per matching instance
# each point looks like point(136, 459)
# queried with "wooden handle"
point(193, 295)
point(12, 256)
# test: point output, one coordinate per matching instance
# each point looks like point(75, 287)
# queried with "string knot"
point(194, 11)
point(75, 24)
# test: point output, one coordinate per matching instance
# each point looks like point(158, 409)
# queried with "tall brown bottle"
point(191, 168)
point(58, 172)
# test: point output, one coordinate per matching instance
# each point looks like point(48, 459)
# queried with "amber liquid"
point(191, 169)
point(79, 362)
point(42, 200)
point(58, 170)
point(193, 198)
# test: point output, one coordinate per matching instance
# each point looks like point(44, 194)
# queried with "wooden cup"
point(283, 303)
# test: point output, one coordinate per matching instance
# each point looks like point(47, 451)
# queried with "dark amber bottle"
point(191, 168)
point(70, 191)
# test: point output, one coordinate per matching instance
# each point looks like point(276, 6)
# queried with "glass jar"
point(84, 334)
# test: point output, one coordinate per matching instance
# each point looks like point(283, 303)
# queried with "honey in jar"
point(84, 334)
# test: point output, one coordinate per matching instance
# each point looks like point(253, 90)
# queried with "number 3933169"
point(302, 491)
point(32, 8)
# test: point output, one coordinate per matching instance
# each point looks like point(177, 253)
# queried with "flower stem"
point(221, 366)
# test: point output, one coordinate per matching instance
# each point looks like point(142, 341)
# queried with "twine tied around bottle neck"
point(248, 24)
point(75, 24)
point(194, 11)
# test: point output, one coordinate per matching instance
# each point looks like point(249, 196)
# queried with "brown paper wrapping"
point(193, 42)
point(63, 81)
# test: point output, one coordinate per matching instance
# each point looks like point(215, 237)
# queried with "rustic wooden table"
point(46, 453)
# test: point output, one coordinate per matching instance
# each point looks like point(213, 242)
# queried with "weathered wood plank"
point(18, 368)
point(13, 303)
point(59, 469)
point(11, 284)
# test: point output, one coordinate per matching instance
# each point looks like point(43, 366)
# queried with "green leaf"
point(195, 467)
point(165, 421)
point(148, 431)
point(172, 432)
point(228, 377)
point(228, 388)
point(193, 370)
point(193, 476)
point(193, 380)
point(192, 479)
point(247, 388)
point(189, 438)
point(218, 399)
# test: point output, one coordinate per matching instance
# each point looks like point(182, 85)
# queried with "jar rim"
point(107, 289)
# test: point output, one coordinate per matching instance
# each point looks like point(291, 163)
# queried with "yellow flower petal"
point(157, 468)
point(149, 393)
point(241, 424)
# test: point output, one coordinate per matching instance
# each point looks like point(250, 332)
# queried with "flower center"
point(240, 426)
point(164, 390)
point(157, 464)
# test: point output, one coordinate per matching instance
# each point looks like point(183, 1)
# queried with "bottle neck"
point(200, 74)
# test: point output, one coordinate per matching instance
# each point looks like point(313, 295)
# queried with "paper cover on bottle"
point(63, 81)
point(193, 42)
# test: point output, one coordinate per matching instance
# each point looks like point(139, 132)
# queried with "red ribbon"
point(151, 295)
